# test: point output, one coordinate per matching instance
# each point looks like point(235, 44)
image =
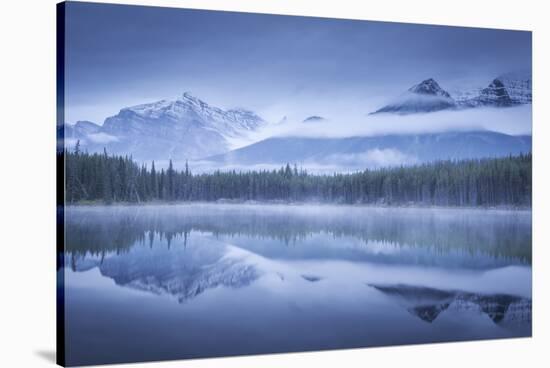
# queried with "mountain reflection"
point(502, 236)
point(428, 303)
point(181, 272)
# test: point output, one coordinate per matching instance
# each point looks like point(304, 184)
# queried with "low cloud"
point(511, 120)
point(101, 138)
point(374, 158)
point(371, 159)
point(70, 143)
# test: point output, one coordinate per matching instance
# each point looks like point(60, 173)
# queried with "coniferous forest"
point(476, 182)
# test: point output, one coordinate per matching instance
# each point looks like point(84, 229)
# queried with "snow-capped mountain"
point(519, 86)
point(429, 87)
point(181, 129)
point(81, 128)
point(510, 89)
point(426, 96)
point(495, 95)
point(185, 111)
point(188, 128)
point(507, 90)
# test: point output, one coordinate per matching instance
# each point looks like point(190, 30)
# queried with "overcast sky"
point(118, 56)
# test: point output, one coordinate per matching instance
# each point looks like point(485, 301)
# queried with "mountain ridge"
point(506, 90)
point(188, 128)
point(376, 151)
point(184, 128)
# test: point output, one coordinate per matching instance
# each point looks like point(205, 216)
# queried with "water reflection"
point(181, 272)
point(428, 303)
point(339, 277)
point(503, 236)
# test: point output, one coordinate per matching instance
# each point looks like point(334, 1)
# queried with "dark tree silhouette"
point(502, 181)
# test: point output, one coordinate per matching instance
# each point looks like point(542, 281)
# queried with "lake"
point(205, 280)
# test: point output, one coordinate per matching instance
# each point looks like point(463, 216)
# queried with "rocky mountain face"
point(186, 128)
point(504, 91)
point(183, 113)
point(495, 95)
point(429, 87)
point(426, 96)
point(518, 86)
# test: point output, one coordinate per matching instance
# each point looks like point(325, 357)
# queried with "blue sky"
point(118, 56)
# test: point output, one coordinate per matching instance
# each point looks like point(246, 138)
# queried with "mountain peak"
point(188, 97)
point(496, 94)
point(182, 128)
point(85, 123)
point(518, 85)
point(313, 119)
point(429, 87)
point(85, 127)
point(426, 96)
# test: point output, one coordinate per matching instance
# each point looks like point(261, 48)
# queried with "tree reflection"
point(97, 230)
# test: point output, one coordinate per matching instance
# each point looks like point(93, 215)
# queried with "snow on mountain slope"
point(80, 129)
point(184, 112)
point(495, 94)
point(426, 96)
point(519, 86)
point(182, 129)
point(188, 128)
point(506, 90)
point(429, 87)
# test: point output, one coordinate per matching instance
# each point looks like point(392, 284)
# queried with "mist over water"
point(338, 276)
point(177, 106)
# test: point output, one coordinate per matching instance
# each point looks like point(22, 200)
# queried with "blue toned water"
point(205, 280)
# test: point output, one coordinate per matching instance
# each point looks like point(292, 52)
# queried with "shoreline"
point(295, 204)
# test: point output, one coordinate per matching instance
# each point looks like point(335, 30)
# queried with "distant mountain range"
point(185, 128)
point(510, 89)
point(376, 151)
point(188, 128)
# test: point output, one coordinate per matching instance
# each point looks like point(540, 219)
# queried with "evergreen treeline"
point(477, 182)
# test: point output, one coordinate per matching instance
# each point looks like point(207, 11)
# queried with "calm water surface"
point(187, 281)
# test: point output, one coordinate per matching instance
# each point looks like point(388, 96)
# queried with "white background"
point(27, 181)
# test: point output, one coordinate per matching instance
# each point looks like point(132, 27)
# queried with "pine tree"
point(483, 182)
point(154, 182)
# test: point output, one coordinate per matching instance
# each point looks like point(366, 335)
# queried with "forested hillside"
point(478, 182)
